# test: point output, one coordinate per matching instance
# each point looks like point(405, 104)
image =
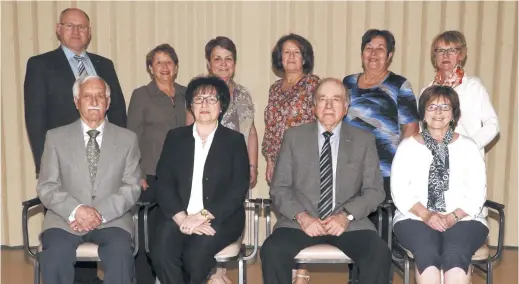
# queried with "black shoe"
point(398, 253)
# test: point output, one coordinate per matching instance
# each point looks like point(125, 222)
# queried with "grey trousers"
point(59, 255)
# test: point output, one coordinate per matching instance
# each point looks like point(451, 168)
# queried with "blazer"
point(225, 179)
point(151, 115)
point(64, 180)
point(48, 98)
point(296, 182)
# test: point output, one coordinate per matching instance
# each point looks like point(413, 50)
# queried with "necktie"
point(92, 153)
point(81, 71)
point(325, 168)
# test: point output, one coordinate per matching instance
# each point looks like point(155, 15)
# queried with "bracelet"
point(253, 167)
point(456, 217)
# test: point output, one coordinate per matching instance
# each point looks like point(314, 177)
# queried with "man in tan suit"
point(89, 181)
point(326, 182)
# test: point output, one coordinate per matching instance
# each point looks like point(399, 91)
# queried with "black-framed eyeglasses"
point(209, 99)
point(450, 51)
point(442, 107)
point(70, 27)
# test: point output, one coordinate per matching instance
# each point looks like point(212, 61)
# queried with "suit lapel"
point(108, 148)
point(97, 64)
point(312, 148)
point(345, 151)
point(62, 65)
point(79, 151)
point(188, 150)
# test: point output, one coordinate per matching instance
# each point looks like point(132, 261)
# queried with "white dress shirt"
point(196, 199)
point(334, 144)
point(86, 137)
point(467, 180)
point(478, 118)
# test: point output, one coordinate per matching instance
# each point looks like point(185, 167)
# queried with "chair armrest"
point(136, 209)
point(257, 202)
point(501, 235)
point(267, 205)
point(25, 220)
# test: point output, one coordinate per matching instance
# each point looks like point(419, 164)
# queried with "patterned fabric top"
point(381, 110)
point(240, 113)
point(285, 109)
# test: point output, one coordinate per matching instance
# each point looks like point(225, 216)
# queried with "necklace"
point(376, 79)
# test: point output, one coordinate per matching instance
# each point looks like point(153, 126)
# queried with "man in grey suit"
point(326, 182)
point(89, 181)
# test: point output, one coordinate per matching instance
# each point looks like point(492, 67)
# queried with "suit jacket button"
point(206, 198)
point(93, 197)
point(206, 178)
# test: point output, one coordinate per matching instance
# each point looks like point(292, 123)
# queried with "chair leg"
point(391, 274)
point(36, 271)
point(490, 274)
point(406, 269)
point(242, 275)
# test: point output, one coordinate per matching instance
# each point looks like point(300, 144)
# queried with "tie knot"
point(78, 58)
point(93, 133)
point(327, 134)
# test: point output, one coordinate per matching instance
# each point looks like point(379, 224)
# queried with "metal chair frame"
point(405, 267)
point(242, 257)
point(28, 204)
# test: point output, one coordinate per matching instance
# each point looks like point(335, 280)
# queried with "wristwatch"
point(348, 215)
point(204, 213)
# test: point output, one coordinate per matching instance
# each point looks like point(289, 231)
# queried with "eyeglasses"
point(433, 107)
point(450, 51)
point(70, 27)
point(210, 100)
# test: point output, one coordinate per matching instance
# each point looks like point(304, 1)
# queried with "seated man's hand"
point(204, 229)
point(76, 227)
point(87, 217)
point(310, 225)
point(336, 224)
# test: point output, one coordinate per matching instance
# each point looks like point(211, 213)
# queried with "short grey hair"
point(332, 80)
point(82, 80)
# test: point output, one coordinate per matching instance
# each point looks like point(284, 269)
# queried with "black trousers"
point(443, 250)
point(59, 255)
point(143, 267)
point(86, 272)
point(180, 259)
point(365, 247)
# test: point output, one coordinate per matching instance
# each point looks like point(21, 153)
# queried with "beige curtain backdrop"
point(126, 31)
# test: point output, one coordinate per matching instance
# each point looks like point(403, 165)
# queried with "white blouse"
point(478, 118)
point(467, 183)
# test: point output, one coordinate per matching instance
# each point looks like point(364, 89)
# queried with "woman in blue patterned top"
point(382, 103)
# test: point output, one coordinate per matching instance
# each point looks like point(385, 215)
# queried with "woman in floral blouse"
point(290, 98)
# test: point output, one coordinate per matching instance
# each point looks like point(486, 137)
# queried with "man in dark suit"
point(48, 94)
point(326, 182)
point(49, 78)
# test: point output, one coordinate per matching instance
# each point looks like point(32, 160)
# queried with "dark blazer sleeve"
point(117, 111)
point(168, 197)
point(35, 97)
point(225, 205)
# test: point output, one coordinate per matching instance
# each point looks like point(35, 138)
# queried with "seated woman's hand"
point(436, 221)
point(204, 229)
point(191, 222)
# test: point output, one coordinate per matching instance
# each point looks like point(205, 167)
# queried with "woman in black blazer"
point(203, 178)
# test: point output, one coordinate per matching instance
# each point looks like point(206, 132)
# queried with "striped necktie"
point(325, 168)
point(81, 71)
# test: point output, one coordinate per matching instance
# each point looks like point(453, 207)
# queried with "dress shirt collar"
point(209, 139)
point(70, 54)
point(336, 131)
point(85, 127)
